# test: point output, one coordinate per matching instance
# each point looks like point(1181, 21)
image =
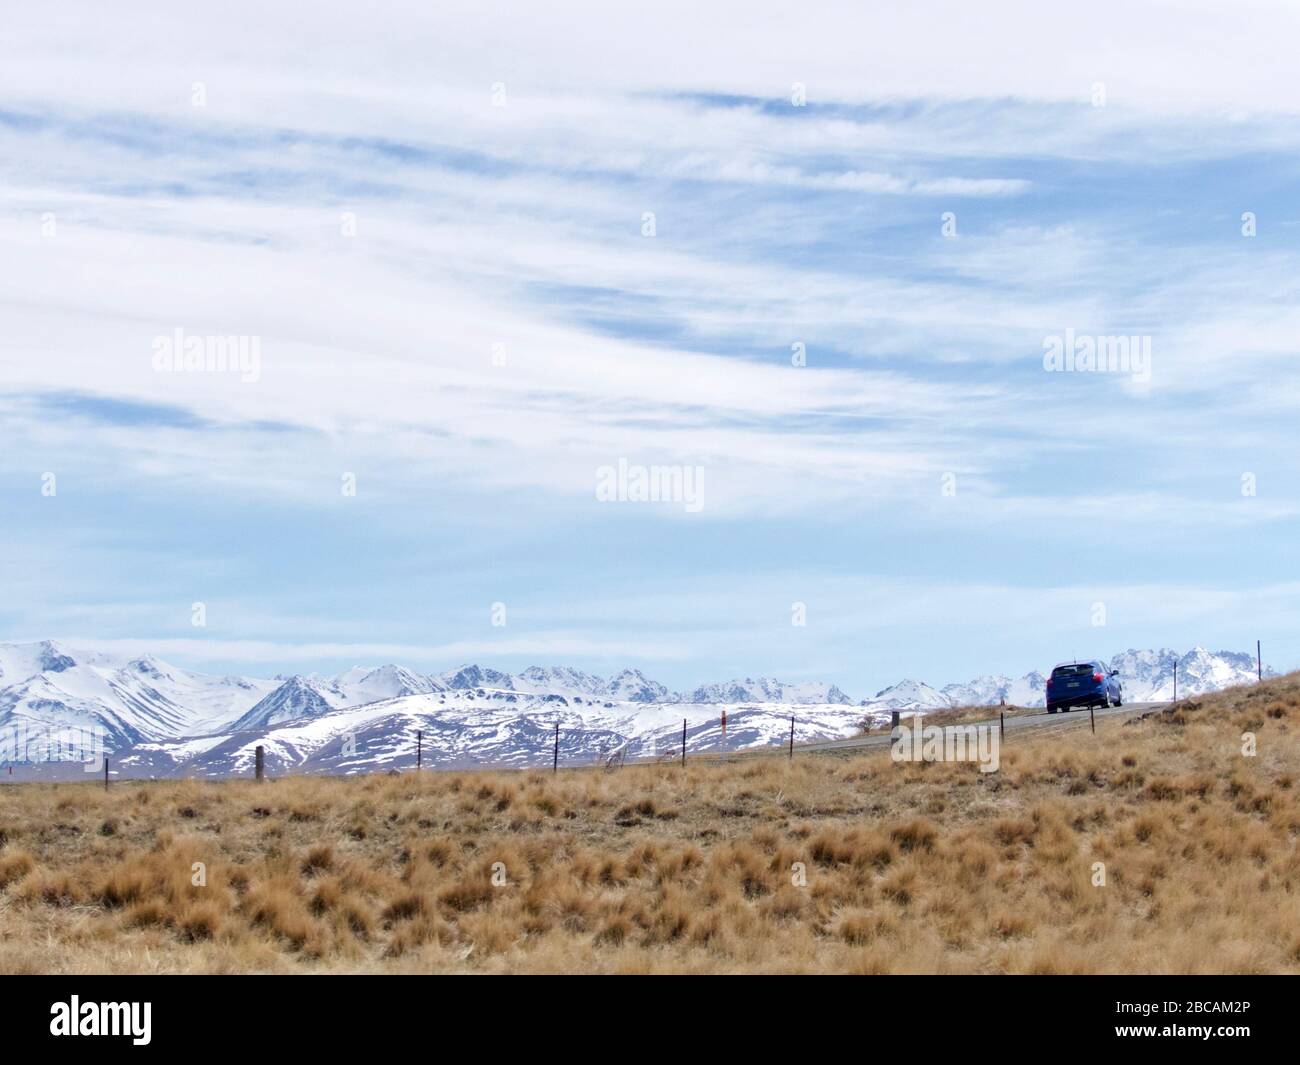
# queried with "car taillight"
point(1049, 682)
point(1098, 677)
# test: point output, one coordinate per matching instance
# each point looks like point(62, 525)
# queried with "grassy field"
point(827, 864)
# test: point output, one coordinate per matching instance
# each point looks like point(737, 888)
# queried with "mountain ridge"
point(144, 703)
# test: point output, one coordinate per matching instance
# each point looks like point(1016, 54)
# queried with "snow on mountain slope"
point(473, 715)
point(813, 692)
point(907, 695)
point(486, 727)
point(83, 702)
point(990, 691)
point(768, 690)
point(47, 686)
point(362, 684)
point(763, 690)
point(560, 680)
point(1148, 676)
point(633, 686)
point(475, 677)
point(209, 702)
point(18, 661)
point(297, 697)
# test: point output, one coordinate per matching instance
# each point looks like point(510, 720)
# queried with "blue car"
point(1073, 685)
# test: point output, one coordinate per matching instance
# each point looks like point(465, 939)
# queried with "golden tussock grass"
point(830, 863)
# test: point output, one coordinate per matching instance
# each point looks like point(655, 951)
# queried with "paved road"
point(1038, 721)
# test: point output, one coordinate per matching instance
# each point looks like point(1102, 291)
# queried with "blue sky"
point(514, 224)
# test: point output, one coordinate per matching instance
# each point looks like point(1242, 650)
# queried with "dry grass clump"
point(1155, 846)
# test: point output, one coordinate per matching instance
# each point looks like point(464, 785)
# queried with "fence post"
point(1259, 663)
point(555, 761)
point(260, 756)
point(1002, 725)
point(105, 772)
point(419, 748)
point(1175, 681)
point(792, 737)
point(1092, 719)
point(683, 743)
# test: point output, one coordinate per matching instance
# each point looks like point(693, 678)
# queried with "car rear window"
point(1073, 671)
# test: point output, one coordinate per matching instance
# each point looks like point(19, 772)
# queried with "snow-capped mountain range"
point(1147, 676)
point(160, 719)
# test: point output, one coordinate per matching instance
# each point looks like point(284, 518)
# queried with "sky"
point(808, 259)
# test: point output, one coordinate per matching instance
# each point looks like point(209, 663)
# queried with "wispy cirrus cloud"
point(460, 304)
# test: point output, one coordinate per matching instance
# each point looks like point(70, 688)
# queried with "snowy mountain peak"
point(768, 690)
point(747, 690)
point(472, 676)
point(633, 686)
point(364, 684)
point(561, 680)
point(296, 697)
point(148, 666)
point(908, 695)
point(52, 658)
point(47, 686)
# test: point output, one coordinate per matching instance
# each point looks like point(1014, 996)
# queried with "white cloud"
point(520, 227)
point(255, 55)
point(268, 652)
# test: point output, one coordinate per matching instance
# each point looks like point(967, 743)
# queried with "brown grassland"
point(918, 868)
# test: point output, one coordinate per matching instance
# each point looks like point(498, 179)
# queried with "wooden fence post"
point(1002, 725)
point(419, 748)
point(683, 743)
point(105, 772)
point(555, 762)
point(260, 756)
point(792, 737)
point(1092, 718)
